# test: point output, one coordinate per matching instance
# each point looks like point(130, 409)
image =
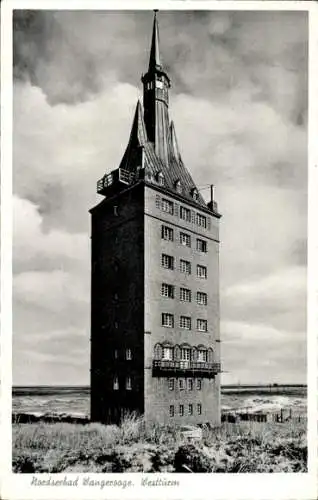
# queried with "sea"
point(75, 401)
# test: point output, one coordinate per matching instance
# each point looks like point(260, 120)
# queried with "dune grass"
point(136, 447)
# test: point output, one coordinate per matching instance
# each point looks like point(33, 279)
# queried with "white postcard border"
point(247, 486)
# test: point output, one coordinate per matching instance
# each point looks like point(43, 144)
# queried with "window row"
point(189, 409)
point(128, 383)
point(184, 384)
point(182, 212)
point(167, 320)
point(167, 233)
point(128, 354)
point(185, 352)
point(168, 291)
point(168, 262)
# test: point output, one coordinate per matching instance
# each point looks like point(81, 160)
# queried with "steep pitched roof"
point(161, 153)
point(173, 170)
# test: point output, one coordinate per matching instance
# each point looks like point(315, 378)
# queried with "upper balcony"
point(176, 368)
point(117, 179)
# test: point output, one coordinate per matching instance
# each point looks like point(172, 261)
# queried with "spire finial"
point(154, 61)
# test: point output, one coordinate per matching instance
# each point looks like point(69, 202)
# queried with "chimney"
point(211, 203)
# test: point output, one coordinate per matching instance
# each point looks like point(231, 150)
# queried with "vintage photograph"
point(159, 241)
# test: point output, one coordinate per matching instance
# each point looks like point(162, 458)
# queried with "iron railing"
point(119, 175)
point(185, 367)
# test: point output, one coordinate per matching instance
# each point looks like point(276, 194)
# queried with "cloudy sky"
point(239, 103)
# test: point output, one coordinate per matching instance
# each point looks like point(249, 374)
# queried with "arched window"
point(177, 352)
point(177, 186)
point(160, 178)
point(158, 351)
point(202, 354)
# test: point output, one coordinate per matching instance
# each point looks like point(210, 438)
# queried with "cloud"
point(239, 102)
point(61, 151)
point(36, 248)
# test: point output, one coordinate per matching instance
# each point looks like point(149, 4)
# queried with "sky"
point(239, 104)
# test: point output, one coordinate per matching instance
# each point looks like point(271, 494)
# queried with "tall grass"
point(135, 445)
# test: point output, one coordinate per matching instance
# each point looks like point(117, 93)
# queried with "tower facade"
point(155, 346)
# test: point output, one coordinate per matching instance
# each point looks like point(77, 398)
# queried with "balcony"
point(164, 368)
point(113, 180)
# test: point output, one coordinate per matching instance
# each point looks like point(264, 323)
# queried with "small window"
point(128, 383)
point(201, 220)
point(195, 194)
point(167, 320)
point(181, 384)
point(167, 261)
point(185, 239)
point(181, 410)
point(171, 384)
point(128, 354)
point(185, 266)
point(115, 210)
point(171, 411)
point(202, 325)
point(116, 384)
point(190, 384)
point(167, 206)
point(159, 84)
point(167, 354)
point(185, 354)
point(201, 272)
point(185, 295)
point(202, 355)
point(167, 290)
point(201, 246)
point(167, 233)
point(160, 179)
point(202, 298)
point(199, 408)
point(199, 384)
point(178, 186)
point(190, 409)
point(185, 322)
point(116, 353)
point(185, 214)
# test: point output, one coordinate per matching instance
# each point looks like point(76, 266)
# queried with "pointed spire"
point(138, 137)
point(138, 130)
point(174, 143)
point(154, 61)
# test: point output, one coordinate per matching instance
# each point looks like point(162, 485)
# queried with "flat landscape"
point(134, 447)
point(244, 446)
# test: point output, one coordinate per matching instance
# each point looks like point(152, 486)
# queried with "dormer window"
point(160, 178)
point(177, 186)
point(195, 194)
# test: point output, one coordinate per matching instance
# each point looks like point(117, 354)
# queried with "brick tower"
point(155, 277)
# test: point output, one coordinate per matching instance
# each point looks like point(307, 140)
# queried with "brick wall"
point(158, 397)
point(127, 307)
point(117, 304)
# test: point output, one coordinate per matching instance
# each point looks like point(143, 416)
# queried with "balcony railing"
point(183, 368)
point(119, 175)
